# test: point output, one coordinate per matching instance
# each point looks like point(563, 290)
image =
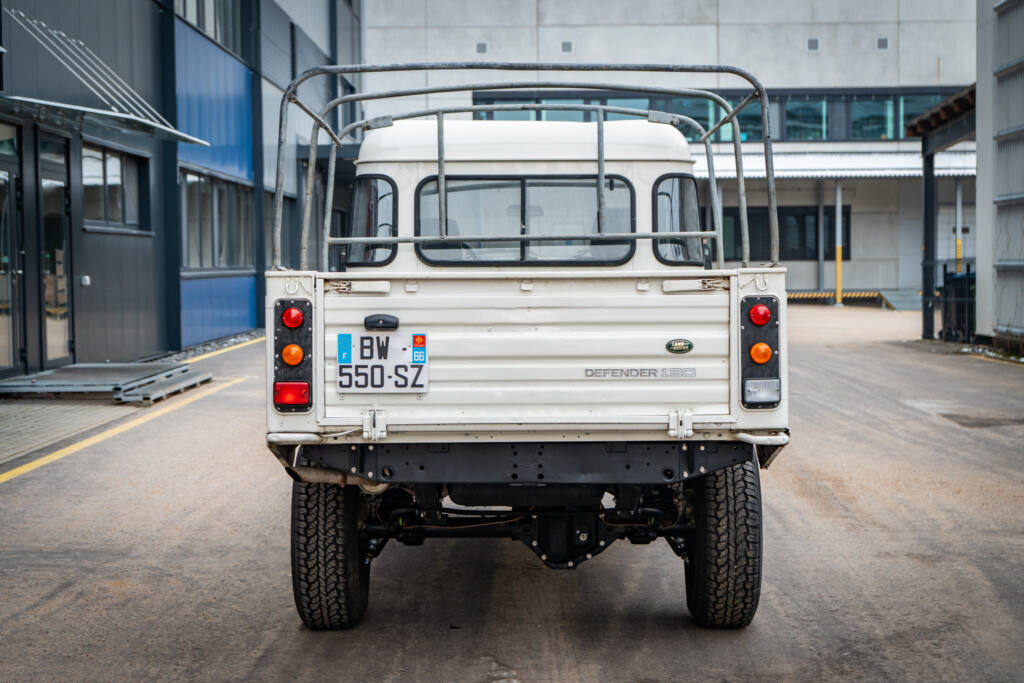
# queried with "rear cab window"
point(675, 208)
point(523, 205)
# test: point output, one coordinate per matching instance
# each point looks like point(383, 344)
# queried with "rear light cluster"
point(293, 361)
point(759, 363)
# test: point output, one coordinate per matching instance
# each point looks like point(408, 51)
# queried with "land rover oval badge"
point(679, 346)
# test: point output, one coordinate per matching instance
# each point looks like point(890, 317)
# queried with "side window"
point(374, 214)
point(676, 210)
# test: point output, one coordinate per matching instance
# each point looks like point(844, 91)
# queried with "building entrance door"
point(55, 253)
point(12, 357)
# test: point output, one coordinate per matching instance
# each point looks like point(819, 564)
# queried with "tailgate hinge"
point(375, 426)
point(680, 423)
point(711, 284)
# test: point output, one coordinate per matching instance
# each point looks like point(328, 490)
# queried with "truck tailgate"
point(518, 353)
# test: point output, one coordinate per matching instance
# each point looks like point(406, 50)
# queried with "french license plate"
point(382, 363)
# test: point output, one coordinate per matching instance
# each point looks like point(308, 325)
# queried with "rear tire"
point(723, 567)
point(330, 573)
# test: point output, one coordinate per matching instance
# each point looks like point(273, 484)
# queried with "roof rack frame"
point(319, 122)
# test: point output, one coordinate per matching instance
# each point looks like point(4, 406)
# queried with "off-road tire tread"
point(723, 573)
point(330, 580)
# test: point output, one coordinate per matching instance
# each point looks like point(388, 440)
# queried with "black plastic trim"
point(301, 335)
point(751, 334)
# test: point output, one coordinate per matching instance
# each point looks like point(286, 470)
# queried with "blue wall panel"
point(216, 307)
point(214, 93)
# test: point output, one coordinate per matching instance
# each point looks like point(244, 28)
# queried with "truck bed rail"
point(601, 111)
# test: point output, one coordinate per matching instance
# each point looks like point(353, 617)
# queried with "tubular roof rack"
point(126, 107)
point(319, 122)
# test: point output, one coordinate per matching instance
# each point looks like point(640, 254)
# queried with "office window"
point(912, 106)
point(627, 103)
point(806, 119)
point(798, 233)
point(697, 109)
point(218, 223)
point(556, 115)
point(289, 230)
point(111, 186)
point(221, 20)
point(872, 118)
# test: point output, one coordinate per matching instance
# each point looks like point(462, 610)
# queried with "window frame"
point(143, 226)
point(706, 261)
point(523, 179)
point(352, 214)
point(215, 229)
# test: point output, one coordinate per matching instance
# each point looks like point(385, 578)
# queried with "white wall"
point(313, 17)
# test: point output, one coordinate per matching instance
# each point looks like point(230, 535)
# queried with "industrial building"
point(1000, 134)
point(133, 180)
point(843, 80)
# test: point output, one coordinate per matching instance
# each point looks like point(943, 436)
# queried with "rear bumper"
point(529, 463)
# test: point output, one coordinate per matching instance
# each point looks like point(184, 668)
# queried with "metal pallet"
point(126, 382)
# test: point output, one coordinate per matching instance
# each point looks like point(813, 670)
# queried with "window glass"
point(476, 207)
point(8, 140)
point(554, 206)
point(872, 119)
point(512, 115)
point(193, 223)
point(697, 109)
point(226, 222)
point(115, 208)
point(92, 184)
point(805, 119)
point(373, 215)
point(798, 233)
point(676, 209)
point(561, 115)
point(912, 106)
point(130, 178)
point(52, 150)
point(206, 221)
point(569, 207)
point(628, 103)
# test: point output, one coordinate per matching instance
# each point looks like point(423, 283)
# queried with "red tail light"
point(292, 317)
point(760, 315)
point(291, 393)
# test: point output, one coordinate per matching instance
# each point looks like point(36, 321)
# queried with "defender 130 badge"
point(679, 346)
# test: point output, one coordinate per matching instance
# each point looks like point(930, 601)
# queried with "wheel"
point(330, 571)
point(723, 567)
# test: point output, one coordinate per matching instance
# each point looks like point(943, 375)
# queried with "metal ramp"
point(125, 382)
point(901, 299)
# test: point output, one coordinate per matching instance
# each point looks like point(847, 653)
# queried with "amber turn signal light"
point(760, 353)
point(292, 354)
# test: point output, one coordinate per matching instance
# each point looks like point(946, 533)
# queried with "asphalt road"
point(894, 549)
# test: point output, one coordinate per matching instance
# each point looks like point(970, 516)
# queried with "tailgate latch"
point(375, 426)
point(680, 423)
point(713, 284)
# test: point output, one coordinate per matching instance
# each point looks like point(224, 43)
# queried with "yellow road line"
point(211, 354)
point(119, 429)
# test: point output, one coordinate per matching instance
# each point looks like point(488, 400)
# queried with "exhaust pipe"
point(319, 475)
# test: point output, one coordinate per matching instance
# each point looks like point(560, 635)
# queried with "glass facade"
point(823, 116)
point(220, 20)
point(798, 233)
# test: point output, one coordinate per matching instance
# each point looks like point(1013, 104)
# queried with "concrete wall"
point(929, 42)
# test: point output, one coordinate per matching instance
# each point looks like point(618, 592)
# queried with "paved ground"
point(29, 424)
point(895, 549)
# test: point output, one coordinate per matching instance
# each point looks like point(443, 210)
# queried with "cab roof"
point(634, 140)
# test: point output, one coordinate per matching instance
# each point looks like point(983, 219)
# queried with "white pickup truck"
point(543, 367)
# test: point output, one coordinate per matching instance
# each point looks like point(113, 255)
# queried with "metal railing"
point(600, 111)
